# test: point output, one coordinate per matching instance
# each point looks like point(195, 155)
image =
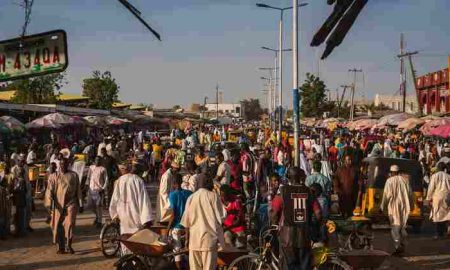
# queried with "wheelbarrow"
point(367, 259)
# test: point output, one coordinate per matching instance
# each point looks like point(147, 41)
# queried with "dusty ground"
point(36, 251)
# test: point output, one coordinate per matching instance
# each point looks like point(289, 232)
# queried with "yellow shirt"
point(157, 152)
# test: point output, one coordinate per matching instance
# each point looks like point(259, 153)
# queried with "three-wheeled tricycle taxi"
point(375, 171)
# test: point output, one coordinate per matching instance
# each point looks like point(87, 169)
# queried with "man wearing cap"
point(397, 198)
point(130, 202)
point(202, 219)
point(165, 187)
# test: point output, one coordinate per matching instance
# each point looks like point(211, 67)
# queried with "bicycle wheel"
point(334, 264)
point(249, 262)
point(109, 236)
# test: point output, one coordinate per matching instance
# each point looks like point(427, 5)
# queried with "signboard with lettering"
point(33, 55)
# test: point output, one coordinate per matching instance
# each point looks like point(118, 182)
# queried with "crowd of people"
point(212, 194)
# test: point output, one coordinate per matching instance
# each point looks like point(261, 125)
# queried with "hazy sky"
point(209, 41)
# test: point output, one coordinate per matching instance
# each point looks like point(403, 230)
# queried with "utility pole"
point(217, 101)
point(342, 98)
point(413, 72)
point(352, 99)
point(402, 73)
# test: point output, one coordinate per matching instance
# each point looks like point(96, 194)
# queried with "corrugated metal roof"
point(8, 95)
point(121, 105)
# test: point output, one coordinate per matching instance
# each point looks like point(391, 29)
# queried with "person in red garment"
point(234, 223)
point(346, 185)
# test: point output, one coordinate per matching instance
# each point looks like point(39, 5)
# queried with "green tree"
point(38, 90)
point(176, 108)
point(313, 97)
point(251, 109)
point(101, 89)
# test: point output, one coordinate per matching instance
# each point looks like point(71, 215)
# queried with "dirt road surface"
point(35, 251)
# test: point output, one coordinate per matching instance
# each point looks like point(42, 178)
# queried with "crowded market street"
point(224, 135)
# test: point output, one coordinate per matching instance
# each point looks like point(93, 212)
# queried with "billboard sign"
point(33, 55)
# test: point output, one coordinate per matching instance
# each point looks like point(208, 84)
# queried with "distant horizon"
point(202, 45)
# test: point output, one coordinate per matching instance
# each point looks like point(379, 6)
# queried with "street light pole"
point(296, 102)
point(280, 59)
point(217, 102)
point(280, 83)
point(271, 89)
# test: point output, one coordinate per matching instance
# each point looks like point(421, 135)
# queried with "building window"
point(393, 106)
point(412, 107)
point(238, 110)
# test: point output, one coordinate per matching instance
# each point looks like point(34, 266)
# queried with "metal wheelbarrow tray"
point(364, 258)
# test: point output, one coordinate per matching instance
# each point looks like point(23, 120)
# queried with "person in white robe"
point(304, 164)
point(203, 217)
point(130, 202)
point(397, 198)
point(438, 195)
point(79, 167)
point(165, 187)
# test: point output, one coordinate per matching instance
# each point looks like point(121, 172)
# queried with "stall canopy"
point(115, 121)
point(392, 120)
point(441, 131)
point(95, 120)
point(411, 123)
point(12, 123)
point(362, 124)
point(54, 121)
point(428, 126)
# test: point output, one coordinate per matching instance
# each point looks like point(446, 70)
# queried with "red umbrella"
point(441, 131)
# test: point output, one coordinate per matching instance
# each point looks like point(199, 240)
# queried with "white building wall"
point(233, 109)
point(396, 102)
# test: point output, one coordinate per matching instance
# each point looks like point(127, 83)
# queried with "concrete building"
point(225, 109)
point(396, 102)
point(433, 91)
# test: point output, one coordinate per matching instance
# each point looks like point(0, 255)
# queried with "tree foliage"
point(37, 90)
point(101, 89)
point(176, 108)
point(251, 109)
point(313, 97)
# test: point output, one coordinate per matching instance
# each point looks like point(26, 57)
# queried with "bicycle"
point(266, 259)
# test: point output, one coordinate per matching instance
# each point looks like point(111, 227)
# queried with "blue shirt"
point(177, 201)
